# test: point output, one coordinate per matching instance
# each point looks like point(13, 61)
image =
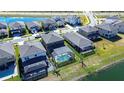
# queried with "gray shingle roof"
point(34, 66)
point(106, 26)
point(88, 29)
point(32, 24)
point(16, 25)
point(61, 50)
point(3, 31)
point(51, 37)
point(3, 24)
point(31, 48)
point(110, 21)
point(49, 21)
point(78, 39)
point(113, 17)
point(6, 53)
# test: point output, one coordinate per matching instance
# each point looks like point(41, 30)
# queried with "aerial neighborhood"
point(39, 49)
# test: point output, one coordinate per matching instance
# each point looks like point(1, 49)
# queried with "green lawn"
point(106, 52)
point(16, 78)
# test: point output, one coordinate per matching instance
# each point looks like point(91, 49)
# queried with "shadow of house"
point(34, 62)
point(49, 25)
point(79, 42)
point(89, 32)
point(116, 38)
point(7, 60)
point(73, 20)
point(33, 27)
point(3, 30)
point(17, 28)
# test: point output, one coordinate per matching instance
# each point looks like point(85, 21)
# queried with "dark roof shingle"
point(6, 53)
point(88, 29)
point(31, 48)
point(51, 37)
point(78, 39)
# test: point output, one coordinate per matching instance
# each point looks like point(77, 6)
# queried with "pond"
point(24, 19)
point(113, 73)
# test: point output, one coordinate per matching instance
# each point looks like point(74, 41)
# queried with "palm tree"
point(104, 46)
point(57, 73)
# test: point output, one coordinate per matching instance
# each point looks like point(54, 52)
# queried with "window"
point(35, 55)
point(26, 58)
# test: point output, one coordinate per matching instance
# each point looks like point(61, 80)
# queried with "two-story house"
point(7, 60)
point(33, 61)
point(89, 32)
point(60, 22)
point(73, 20)
point(54, 44)
point(17, 28)
point(49, 25)
point(33, 27)
point(52, 40)
point(107, 30)
point(3, 30)
point(79, 42)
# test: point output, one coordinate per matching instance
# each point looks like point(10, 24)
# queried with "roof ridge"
point(30, 47)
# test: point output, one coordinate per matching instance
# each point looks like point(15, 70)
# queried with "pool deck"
point(12, 75)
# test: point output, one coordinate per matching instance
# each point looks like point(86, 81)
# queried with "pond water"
point(24, 19)
point(113, 73)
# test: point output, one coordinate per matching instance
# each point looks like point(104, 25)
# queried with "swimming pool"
point(24, 19)
point(7, 72)
point(63, 58)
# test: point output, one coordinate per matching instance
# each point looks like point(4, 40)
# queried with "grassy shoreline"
point(106, 54)
point(98, 70)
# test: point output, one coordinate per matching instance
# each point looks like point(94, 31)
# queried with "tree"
point(57, 73)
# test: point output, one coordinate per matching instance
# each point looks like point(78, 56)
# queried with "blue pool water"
point(7, 72)
point(24, 19)
point(63, 58)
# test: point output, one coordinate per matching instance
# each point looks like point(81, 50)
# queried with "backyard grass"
point(16, 78)
point(107, 52)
